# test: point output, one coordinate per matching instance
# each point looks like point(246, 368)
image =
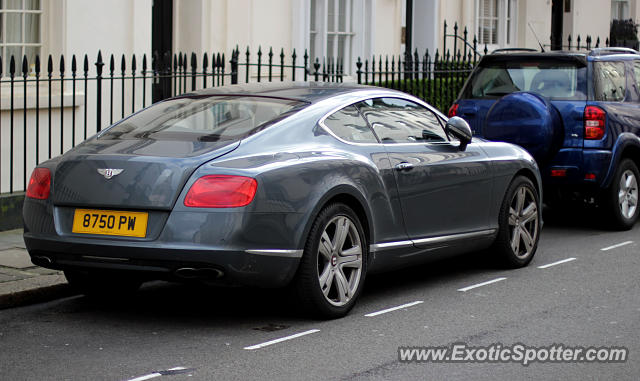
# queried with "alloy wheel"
point(628, 194)
point(339, 260)
point(523, 222)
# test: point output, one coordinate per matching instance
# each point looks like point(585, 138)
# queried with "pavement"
point(22, 282)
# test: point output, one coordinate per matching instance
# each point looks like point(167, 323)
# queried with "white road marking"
point(271, 342)
point(153, 375)
point(464, 289)
point(616, 246)
point(394, 308)
point(556, 263)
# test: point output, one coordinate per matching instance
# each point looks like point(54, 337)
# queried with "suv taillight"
point(221, 191)
point(39, 184)
point(594, 122)
point(453, 110)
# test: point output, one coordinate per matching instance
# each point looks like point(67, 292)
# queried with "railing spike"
point(25, 67)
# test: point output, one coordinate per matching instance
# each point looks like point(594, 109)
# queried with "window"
point(348, 125)
point(209, 119)
point(20, 32)
point(620, 9)
point(399, 121)
point(636, 72)
point(331, 33)
point(550, 78)
point(610, 81)
point(495, 22)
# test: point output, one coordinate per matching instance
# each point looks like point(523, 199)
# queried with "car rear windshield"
point(555, 80)
point(208, 118)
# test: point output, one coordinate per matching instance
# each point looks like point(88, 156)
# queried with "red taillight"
point(594, 119)
point(558, 173)
point(453, 110)
point(39, 184)
point(221, 191)
point(590, 176)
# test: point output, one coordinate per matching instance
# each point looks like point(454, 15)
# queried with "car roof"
point(596, 54)
point(311, 92)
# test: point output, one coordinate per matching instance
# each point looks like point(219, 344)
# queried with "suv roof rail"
point(612, 50)
point(512, 50)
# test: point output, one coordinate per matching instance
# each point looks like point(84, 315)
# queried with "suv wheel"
point(621, 199)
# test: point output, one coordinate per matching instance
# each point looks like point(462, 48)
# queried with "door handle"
point(404, 166)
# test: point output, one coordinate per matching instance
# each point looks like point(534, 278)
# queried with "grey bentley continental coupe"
point(306, 185)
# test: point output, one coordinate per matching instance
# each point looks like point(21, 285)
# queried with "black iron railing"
point(48, 108)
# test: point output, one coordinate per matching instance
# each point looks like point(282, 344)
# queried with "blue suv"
point(578, 114)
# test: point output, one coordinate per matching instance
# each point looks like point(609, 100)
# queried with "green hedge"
point(439, 92)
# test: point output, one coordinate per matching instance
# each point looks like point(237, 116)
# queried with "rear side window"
point(636, 76)
point(204, 118)
point(348, 125)
point(397, 120)
point(609, 81)
point(552, 79)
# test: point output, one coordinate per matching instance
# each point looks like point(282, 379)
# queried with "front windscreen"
point(204, 118)
point(555, 80)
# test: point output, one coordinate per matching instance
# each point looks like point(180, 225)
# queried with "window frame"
point(620, 6)
point(360, 43)
point(506, 32)
point(321, 35)
point(4, 45)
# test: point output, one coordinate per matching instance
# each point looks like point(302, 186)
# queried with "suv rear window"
point(208, 118)
point(555, 80)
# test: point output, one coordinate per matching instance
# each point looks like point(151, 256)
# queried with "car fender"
point(625, 141)
point(337, 190)
point(509, 160)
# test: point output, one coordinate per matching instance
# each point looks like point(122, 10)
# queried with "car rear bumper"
point(577, 167)
point(257, 249)
point(263, 268)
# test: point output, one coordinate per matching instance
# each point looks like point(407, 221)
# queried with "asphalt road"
point(592, 300)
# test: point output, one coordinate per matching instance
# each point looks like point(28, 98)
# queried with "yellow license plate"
point(110, 222)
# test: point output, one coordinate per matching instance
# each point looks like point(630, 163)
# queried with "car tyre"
point(621, 198)
point(519, 225)
point(334, 263)
point(103, 285)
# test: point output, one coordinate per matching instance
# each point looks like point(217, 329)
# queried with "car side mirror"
point(459, 129)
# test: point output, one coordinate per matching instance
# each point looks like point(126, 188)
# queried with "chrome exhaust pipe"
point(187, 273)
point(41, 259)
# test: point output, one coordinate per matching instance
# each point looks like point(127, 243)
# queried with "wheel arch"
point(530, 174)
point(627, 146)
point(349, 196)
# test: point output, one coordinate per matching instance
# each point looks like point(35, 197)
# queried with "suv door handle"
point(404, 166)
